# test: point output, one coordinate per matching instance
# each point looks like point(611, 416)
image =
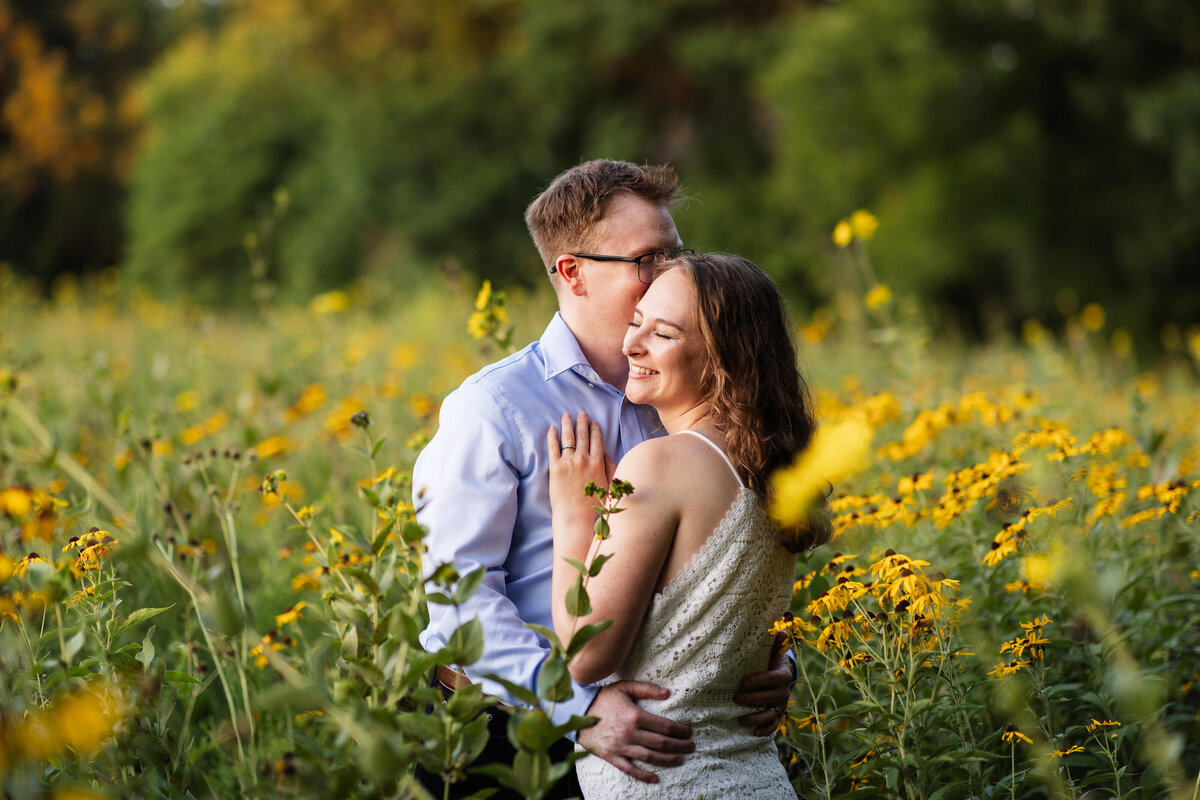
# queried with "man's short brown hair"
point(562, 217)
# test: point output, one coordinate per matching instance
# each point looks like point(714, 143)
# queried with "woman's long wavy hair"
point(759, 399)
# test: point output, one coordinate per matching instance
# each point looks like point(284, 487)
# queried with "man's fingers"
point(763, 697)
point(653, 758)
point(763, 723)
point(780, 677)
point(673, 747)
point(552, 443)
point(627, 766)
point(643, 690)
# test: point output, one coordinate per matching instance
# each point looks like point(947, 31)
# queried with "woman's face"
point(665, 348)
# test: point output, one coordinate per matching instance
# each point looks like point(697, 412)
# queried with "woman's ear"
point(569, 270)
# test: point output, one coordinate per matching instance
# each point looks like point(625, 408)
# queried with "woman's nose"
point(632, 343)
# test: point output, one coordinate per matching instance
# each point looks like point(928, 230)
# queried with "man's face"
point(632, 227)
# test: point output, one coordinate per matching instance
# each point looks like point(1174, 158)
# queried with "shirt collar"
point(560, 349)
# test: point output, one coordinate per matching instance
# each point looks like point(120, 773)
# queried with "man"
point(482, 483)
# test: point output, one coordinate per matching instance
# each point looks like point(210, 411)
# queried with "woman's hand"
point(576, 458)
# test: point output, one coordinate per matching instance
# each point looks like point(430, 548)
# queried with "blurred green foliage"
point(1010, 148)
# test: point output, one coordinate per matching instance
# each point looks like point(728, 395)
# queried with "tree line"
point(1010, 148)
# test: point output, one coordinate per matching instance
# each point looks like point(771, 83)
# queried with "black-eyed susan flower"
point(1012, 734)
point(1010, 668)
point(1064, 753)
point(290, 615)
point(1097, 724)
point(22, 566)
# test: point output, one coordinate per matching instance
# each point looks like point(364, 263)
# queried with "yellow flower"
point(1122, 343)
point(290, 615)
point(1011, 668)
point(879, 295)
point(917, 482)
point(864, 224)
point(1038, 570)
point(843, 233)
point(273, 446)
point(304, 581)
point(1092, 317)
point(1032, 332)
point(1064, 753)
point(1106, 723)
point(484, 297)
point(187, 400)
point(312, 398)
point(82, 721)
point(1011, 735)
point(836, 452)
point(23, 565)
point(329, 303)
point(16, 501)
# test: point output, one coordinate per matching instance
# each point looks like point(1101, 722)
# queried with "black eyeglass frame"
point(641, 260)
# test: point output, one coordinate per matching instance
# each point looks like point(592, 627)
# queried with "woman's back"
point(706, 629)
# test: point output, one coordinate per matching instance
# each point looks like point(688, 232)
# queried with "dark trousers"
point(499, 750)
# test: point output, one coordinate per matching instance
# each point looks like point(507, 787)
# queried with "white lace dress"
point(706, 631)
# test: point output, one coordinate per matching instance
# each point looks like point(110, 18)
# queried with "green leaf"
point(378, 445)
point(467, 585)
point(420, 725)
point(466, 643)
point(585, 635)
point(548, 634)
point(554, 681)
point(532, 771)
point(597, 563)
point(146, 656)
point(501, 773)
point(576, 563)
point(71, 647)
point(578, 602)
point(366, 669)
point(175, 676)
point(289, 697)
point(364, 578)
point(466, 703)
point(439, 598)
point(381, 538)
point(371, 495)
point(518, 691)
point(601, 528)
point(139, 616)
point(532, 729)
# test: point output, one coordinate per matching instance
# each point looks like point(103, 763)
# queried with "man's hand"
point(625, 732)
point(770, 689)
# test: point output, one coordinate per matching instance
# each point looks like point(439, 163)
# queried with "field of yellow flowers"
point(209, 567)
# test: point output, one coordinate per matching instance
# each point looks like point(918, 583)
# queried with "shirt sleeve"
point(465, 487)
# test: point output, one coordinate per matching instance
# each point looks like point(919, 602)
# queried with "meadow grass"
point(210, 574)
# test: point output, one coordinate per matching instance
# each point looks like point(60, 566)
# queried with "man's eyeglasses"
point(647, 262)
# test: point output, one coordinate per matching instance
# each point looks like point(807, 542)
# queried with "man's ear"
point(568, 268)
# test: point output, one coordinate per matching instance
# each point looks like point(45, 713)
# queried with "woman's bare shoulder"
point(668, 458)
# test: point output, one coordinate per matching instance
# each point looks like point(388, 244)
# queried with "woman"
point(697, 570)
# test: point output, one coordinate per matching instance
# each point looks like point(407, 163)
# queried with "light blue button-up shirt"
point(482, 488)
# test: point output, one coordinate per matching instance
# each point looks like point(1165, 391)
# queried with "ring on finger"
point(568, 447)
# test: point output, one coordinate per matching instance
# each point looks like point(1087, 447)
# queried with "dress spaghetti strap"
point(720, 452)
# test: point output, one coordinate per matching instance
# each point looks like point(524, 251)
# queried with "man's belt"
point(451, 678)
